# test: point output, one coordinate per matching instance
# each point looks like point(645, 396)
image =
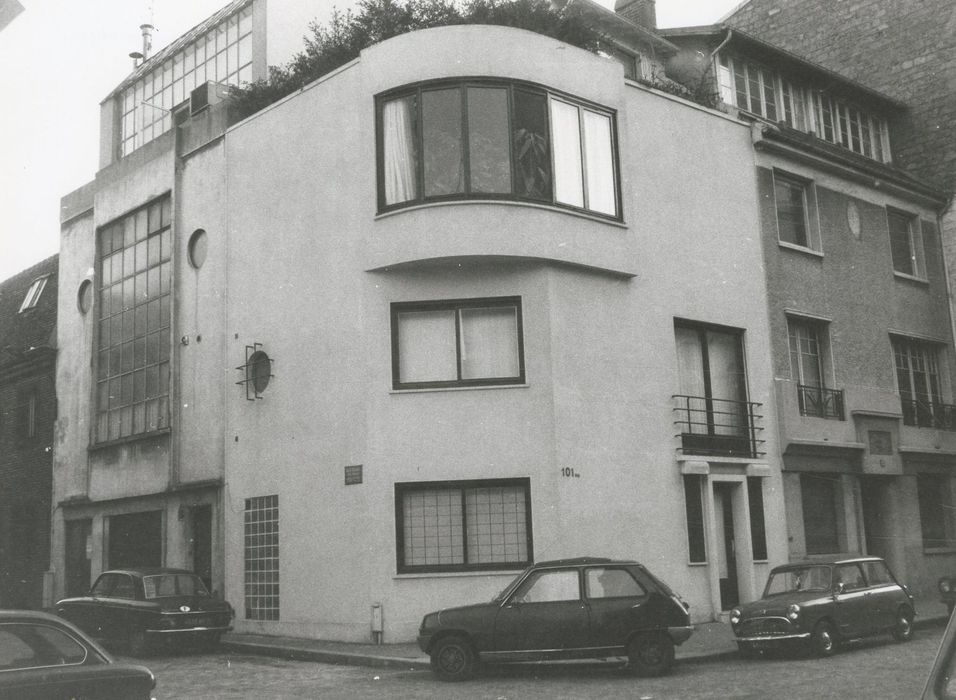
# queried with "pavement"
point(711, 641)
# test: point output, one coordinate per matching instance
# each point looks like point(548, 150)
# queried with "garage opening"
point(135, 539)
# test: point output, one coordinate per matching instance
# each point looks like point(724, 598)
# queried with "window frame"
point(511, 86)
point(809, 210)
point(456, 305)
point(34, 292)
point(409, 487)
point(914, 240)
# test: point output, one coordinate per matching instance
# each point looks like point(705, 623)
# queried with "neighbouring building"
point(28, 310)
point(437, 315)
point(859, 315)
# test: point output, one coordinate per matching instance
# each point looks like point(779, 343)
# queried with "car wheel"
point(823, 640)
point(650, 654)
point(903, 628)
point(453, 659)
point(137, 644)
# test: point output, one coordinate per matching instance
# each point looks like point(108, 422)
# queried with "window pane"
point(791, 210)
point(899, 226)
point(433, 528)
point(496, 525)
point(399, 151)
point(599, 162)
point(935, 510)
point(568, 180)
point(426, 346)
point(488, 144)
point(532, 155)
point(441, 137)
point(489, 343)
point(549, 587)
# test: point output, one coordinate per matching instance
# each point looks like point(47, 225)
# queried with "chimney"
point(147, 39)
point(642, 12)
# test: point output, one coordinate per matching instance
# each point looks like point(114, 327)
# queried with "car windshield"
point(809, 578)
point(169, 585)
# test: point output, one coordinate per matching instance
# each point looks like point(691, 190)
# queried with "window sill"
point(459, 388)
point(800, 249)
point(96, 447)
point(910, 278)
point(460, 574)
point(939, 550)
point(505, 202)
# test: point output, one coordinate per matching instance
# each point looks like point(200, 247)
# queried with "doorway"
point(876, 528)
point(200, 542)
point(79, 551)
point(726, 548)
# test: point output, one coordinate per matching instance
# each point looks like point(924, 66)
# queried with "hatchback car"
point(140, 607)
point(823, 604)
point(566, 609)
point(42, 656)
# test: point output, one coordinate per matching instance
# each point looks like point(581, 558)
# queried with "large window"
point(905, 243)
point(463, 525)
point(489, 140)
point(261, 557)
point(935, 493)
point(470, 342)
point(918, 380)
point(132, 367)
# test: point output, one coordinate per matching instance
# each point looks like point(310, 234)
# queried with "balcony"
point(928, 414)
point(717, 427)
point(819, 402)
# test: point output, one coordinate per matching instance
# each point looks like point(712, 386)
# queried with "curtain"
point(566, 132)
point(690, 371)
point(489, 343)
point(599, 163)
point(399, 153)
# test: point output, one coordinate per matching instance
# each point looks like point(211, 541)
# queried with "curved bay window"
point(485, 140)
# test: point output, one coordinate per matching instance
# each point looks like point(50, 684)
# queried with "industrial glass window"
point(461, 526)
point(470, 342)
point(132, 365)
point(485, 139)
point(261, 557)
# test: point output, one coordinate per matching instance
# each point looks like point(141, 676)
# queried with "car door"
point(617, 603)
point(885, 594)
point(851, 600)
point(113, 610)
point(83, 611)
point(544, 614)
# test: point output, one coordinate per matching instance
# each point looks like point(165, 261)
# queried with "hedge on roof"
point(346, 34)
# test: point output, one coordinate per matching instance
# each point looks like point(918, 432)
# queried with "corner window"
point(33, 293)
point(935, 494)
point(463, 526)
point(470, 342)
point(495, 140)
point(905, 243)
point(794, 202)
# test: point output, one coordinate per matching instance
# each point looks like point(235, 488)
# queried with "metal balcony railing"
point(820, 402)
point(717, 427)
point(928, 414)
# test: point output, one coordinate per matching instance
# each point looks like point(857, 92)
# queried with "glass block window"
point(132, 366)
point(261, 556)
point(223, 54)
point(461, 526)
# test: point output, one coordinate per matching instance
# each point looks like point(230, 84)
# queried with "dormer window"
point(33, 293)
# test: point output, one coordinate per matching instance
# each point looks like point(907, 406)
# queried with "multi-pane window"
point(822, 509)
point(790, 198)
point(468, 342)
point(847, 125)
point(492, 140)
point(261, 557)
point(808, 352)
point(132, 367)
point(918, 379)
point(458, 526)
point(32, 296)
point(749, 86)
point(936, 513)
point(905, 243)
point(222, 54)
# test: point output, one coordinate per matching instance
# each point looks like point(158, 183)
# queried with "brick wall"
point(902, 48)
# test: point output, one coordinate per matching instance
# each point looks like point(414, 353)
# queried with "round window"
point(259, 371)
point(197, 248)
point(84, 296)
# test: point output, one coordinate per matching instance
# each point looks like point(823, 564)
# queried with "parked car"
point(823, 604)
point(947, 592)
point(566, 609)
point(138, 608)
point(42, 656)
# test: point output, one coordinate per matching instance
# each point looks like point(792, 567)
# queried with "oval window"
point(259, 371)
point(84, 296)
point(197, 248)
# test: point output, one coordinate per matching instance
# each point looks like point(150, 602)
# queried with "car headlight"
point(793, 612)
point(945, 585)
point(735, 616)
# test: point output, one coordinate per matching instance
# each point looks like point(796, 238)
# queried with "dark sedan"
point(44, 657)
point(138, 608)
point(825, 603)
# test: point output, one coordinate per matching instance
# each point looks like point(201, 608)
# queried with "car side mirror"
point(841, 587)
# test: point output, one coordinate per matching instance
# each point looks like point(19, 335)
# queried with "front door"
point(726, 548)
point(545, 614)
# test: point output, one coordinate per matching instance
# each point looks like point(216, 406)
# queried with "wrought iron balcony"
point(717, 427)
point(928, 414)
point(821, 402)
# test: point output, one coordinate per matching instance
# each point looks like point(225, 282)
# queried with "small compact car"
point(825, 603)
point(566, 609)
point(138, 608)
point(44, 657)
